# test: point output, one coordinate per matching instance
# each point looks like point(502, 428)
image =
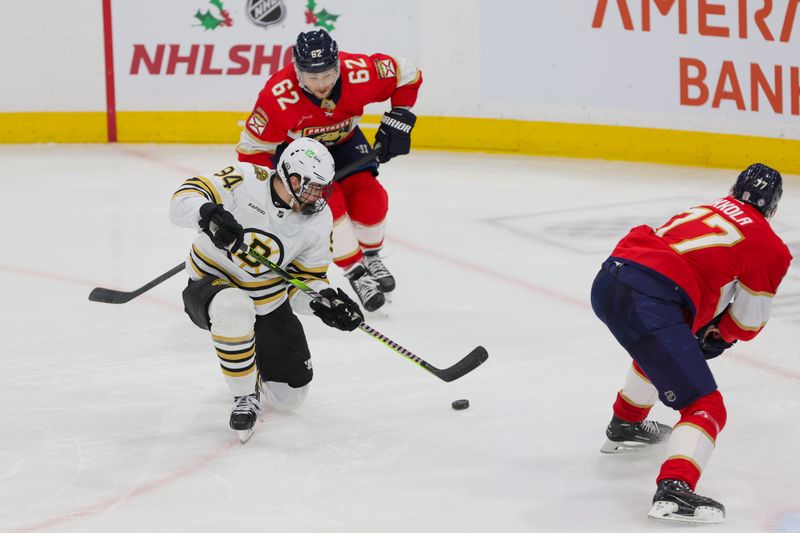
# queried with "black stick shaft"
point(347, 169)
point(466, 365)
point(111, 296)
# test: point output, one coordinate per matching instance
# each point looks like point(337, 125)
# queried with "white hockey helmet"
point(313, 165)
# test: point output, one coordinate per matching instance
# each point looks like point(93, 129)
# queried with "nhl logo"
point(265, 12)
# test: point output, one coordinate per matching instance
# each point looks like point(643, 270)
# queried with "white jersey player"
point(248, 309)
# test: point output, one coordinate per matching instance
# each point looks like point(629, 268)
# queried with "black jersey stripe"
point(208, 271)
point(233, 353)
point(312, 271)
point(238, 372)
point(246, 285)
point(205, 183)
point(234, 360)
point(261, 300)
point(189, 189)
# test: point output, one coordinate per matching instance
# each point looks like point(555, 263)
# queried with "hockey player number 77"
point(729, 235)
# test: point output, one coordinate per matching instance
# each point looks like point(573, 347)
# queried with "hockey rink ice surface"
point(115, 417)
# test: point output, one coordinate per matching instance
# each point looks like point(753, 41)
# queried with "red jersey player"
point(322, 96)
point(674, 297)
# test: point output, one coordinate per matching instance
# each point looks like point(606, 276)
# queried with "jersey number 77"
point(715, 231)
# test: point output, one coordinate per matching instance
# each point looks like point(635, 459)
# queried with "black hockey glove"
point(712, 344)
point(221, 226)
point(394, 134)
point(343, 313)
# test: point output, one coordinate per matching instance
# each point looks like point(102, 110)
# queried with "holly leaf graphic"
point(326, 19)
point(207, 20)
point(311, 5)
point(217, 3)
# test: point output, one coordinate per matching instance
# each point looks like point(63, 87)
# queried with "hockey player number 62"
point(729, 235)
point(357, 76)
point(280, 89)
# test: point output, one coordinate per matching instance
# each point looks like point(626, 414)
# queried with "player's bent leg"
point(629, 430)
point(367, 205)
point(693, 439)
point(282, 396)
point(214, 304)
point(284, 360)
point(689, 451)
point(232, 316)
point(348, 256)
point(367, 200)
point(615, 303)
point(346, 250)
point(371, 240)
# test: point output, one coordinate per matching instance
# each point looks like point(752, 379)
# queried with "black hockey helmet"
point(760, 186)
point(315, 51)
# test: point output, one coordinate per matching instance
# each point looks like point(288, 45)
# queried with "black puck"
point(460, 405)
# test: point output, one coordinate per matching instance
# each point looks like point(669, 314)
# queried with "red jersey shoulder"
point(765, 244)
point(368, 78)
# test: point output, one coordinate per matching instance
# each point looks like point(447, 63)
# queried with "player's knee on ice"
point(282, 397)
point(232, 313)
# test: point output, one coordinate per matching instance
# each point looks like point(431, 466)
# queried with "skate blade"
point(626, 446)
point(244, 435)
point(380, 313)
point(668, 511)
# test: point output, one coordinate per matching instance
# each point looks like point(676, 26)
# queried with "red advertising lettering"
point(208, 59)
point(788, 20)
point(704, 10)
point(727, 76)
point(664, 7)
point(689, 81)
point(761, 17)
point(152, 64)
point(759, 82)
point(624, 11)
point(175, 58)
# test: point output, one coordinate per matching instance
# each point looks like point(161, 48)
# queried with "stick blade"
point(470, 362)
point(108, 296)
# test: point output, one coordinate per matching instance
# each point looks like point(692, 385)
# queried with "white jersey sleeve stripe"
point(751, 309)
point(407, 71)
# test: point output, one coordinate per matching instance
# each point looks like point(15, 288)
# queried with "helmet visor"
point(313, 197)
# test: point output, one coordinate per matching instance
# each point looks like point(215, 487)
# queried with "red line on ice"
point(89, 510)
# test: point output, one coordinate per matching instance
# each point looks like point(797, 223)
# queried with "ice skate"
point(246, 409)
point(633, 436)
point(675, 501)
point(366, 287)
point(378, 271)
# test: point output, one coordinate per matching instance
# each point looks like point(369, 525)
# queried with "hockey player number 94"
point(726, 234)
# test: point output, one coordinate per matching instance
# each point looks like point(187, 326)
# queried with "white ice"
point(114, 418)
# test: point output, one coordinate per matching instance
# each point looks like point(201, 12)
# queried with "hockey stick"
point(110, 296)
point(342, 173)
point(467, 364)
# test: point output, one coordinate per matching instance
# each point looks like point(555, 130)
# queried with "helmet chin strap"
point(295, 199)
point(287, 184)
